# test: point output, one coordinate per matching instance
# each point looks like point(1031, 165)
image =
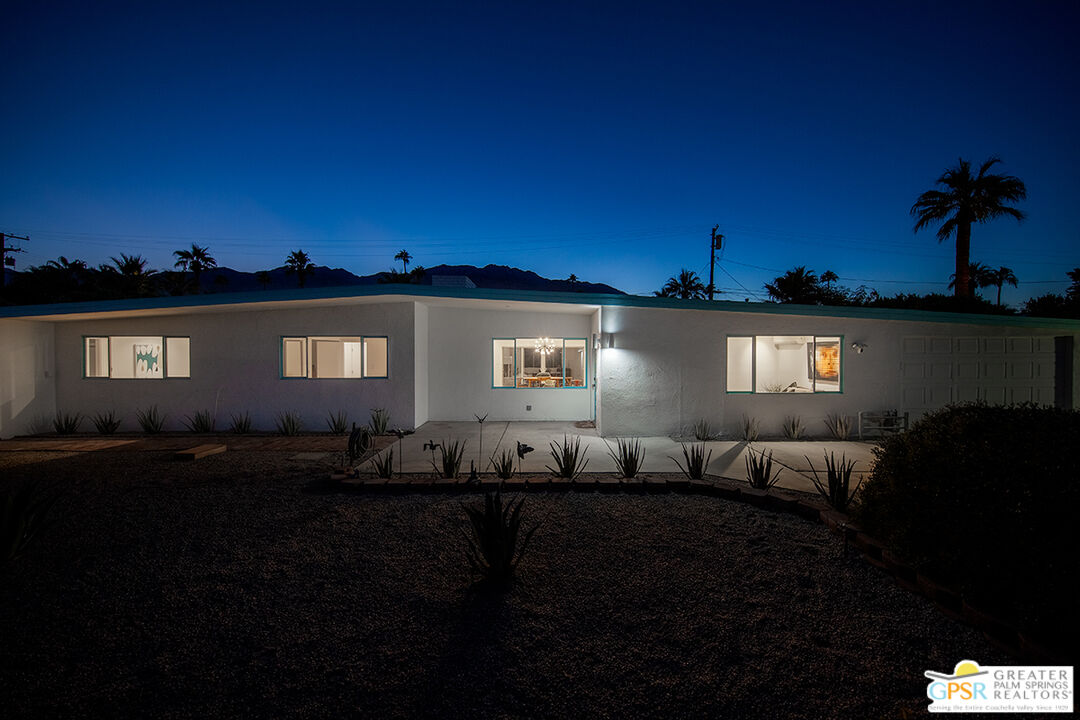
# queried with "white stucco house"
point(635, 365)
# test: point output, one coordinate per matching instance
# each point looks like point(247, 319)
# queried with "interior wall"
point(236, 367)
point(460, 366)
point(27, 376)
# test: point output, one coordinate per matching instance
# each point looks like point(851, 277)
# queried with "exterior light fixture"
point(858, 347)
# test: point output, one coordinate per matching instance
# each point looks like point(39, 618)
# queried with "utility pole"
point(714, 245)
point(5, 261)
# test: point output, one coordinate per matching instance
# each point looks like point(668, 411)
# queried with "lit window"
point(539, 362)
point(143, 357)
point(784, 364)
point(334, 357)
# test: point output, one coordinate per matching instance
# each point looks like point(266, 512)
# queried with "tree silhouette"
point(998, 278)
point(264, 278)
point(796, 286)
point(128, 276)
point(977, 277)
point(687, 286)
point(828, 277)
point(405, 258)
point(196, 260)
point(300, 264)
point(965, 199)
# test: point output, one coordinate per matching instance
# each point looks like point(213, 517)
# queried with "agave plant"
point(150, 420)
point(839, 426)
point(380, 421)
point(794, 428)
point(338, 422)
point(629, 456)
point(569, 460)
point(241, 423)
point(759, 470)
point(23, 514)
point(504, 464)
point(450, 456)
point(697, 462)
point(106, 422)
point(383, 465)
point(288, 423)
point(67, 423)
point(751, 428)
point(493, 549)
point(837, 486)
point(201, 421)
point(360, 442)
point(703, 430)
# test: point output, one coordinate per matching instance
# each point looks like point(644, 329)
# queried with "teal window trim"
point(584, 385)
point(281, 357)
point(363, 357)
point(753, 368)
point(165, 357)
point(513, 369)
point(840, 380)
point(108, 358)
point(753, 364)
point(306, 340)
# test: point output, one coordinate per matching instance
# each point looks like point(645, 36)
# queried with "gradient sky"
point(603, 140)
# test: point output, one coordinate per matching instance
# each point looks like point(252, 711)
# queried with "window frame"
point(108, 357)
point(585, 380)
point(306, 339)
point(753, 367)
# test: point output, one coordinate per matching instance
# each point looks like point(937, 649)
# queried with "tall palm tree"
point(999, 277)
point(796, 286)
point(131, 273)
point(965, 199)
point(404, 257)
point(829, 277)
point(687, 286)
point(196, 260)
point(300, 264)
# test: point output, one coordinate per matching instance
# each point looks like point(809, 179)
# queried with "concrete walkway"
point(728, 457)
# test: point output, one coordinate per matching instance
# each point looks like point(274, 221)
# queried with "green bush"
point(984, 498)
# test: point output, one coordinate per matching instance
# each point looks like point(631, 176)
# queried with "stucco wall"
point(235, 366)
point(420, 353)
point(27, 376)
point(460, 365)
point(667, 369)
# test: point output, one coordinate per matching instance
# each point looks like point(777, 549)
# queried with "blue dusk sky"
point(599, 139)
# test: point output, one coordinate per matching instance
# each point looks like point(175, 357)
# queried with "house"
point(635, 365)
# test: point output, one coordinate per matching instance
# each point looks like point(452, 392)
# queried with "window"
point(539, 362)
point(784, 364)
point(142, 357)
point(334, 357)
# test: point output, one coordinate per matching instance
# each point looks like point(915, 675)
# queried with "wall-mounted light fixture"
point(607, 340)
point(858, 347)
point(595, 341)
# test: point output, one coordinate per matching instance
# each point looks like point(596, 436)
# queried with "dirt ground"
point(242, 585)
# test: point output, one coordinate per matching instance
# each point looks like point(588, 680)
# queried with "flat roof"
point(270, 299)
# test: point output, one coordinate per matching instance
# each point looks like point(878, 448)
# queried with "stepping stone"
point(199, 451)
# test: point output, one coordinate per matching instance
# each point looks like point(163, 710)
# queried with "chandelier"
point(545, 346)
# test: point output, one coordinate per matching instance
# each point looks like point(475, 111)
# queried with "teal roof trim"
point(428, 291)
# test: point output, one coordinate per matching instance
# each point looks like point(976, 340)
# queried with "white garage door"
point(997, 370)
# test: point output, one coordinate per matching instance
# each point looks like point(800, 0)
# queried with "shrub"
point(985, 498)
point(697, 462)
point(106, 422)
point(629, 457)
point(241, 423)
point(288, 423)
point(150, 420)
point(380, 421)
point(837, 486)
point(66, 423)
point(504, 464)
point(23, 514)
point(383, 465)
point(759, 470)
point(201, 421)
point(839, 426)
point(703, 430)
point(338, 422)
point(793, 427)
point(493, 544)
point(450, 455)
point(360, 442)
point(751, 428)
point(569, 460)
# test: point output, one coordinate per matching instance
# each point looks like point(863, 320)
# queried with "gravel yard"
point(238, 586)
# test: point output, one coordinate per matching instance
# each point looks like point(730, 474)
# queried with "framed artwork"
point(148, 363)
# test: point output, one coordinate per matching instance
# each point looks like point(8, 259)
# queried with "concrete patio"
point(728, 456)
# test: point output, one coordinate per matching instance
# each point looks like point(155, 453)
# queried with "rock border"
point(949, 601)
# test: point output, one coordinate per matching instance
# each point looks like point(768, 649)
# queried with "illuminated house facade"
point(635, 365)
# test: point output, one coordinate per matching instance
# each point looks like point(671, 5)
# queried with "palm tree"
point(299, 263)
point(796, 286)
point(131, 274)
point(999, 277)
point(829, 277)
point(404, 257)
point(967, 199)
point(977, 276)
point(196, 260)
point(687, 286)
point(264, 278)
